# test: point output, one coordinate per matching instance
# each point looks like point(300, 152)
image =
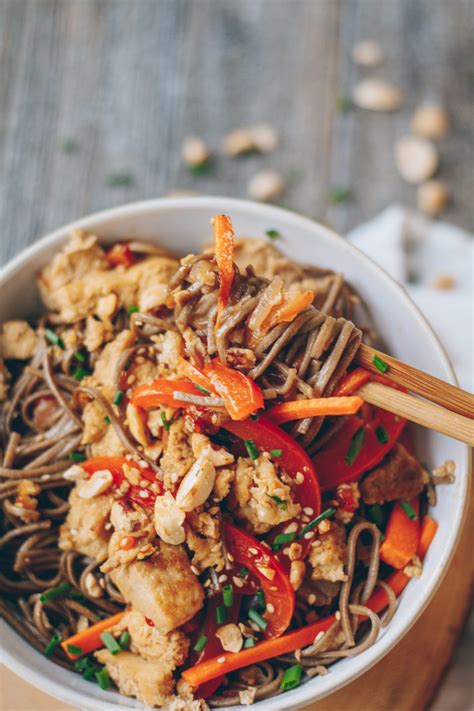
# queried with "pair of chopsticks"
point(437, 405)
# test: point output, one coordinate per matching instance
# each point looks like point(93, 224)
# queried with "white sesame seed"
point(286, 551)
point(195, 570)
point(222, 578)
point(293, 526)
point(144, 483)
point(299, 478)
point(143, 494)
point(308, 510)
point(253, 551)
point(221, 660)
point(337, 615)
point(131, 379)
point(308, 535)
point(230, 557)
point(273, 588)
point(45, 477)
point(238, 581)
point(270, 608)
point(102, 583)
point(207, 583)
point(142, 463)
point(254, 626)
point(108, 526)
point(311, 598)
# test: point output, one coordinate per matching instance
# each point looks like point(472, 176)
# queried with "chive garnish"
point(375, 514)
point(79, 373)
point(103, 679)
point(355, 446)
point(52, 593)
point(200, 644)
point(110, 642)
point(258, 619)
point(80, 356)
point(107, 420)
point(281, 539)
point(118, 397)
point(309, 526)
point(243, 572)
point(281, 503)
point(228, 595)
point(52, 644)
point(54, 338)
point(276, 453)
point(261, 599)
point(133, 310)
point(249, 642)
point(89, 673)
point(82, 664)
point(166, 423)
point(381, 434)
point(221, 614)
point(292, 677)
point(119, 180)
point(338, 195)
point(380, 364)
point(201, 389)
point(251, 449)
point(409, 510)
point(124, 640)
point(77, 456)
point(72, 649)
point(273, 234)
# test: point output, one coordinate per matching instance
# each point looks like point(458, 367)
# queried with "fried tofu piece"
point(400, 477)
point(162, 587)
point(149, 681)
point(17, 340)
point(178, 456)
point(85, 527)
point(327, 554)
point(150, 643)
point(105, 367)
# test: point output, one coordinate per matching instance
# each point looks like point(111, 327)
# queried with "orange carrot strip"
point(89, 639)
point(304, 636)
point(224, 246)
point(292, 304)
point(402, 537)
point(315, 407)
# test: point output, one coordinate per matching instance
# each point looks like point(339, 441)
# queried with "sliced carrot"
point(402, 537)
point(314, 407)
point(227, 662)
point(89, 639)
point(242, 396)
point(292, 304)
point(224, 247)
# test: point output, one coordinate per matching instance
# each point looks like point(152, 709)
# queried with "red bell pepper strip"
point(242, 396)
point(402, 536)
point(160, 392)
point(115, 466)
point(247, 551)
point(224, 248)
point(120, 253)
point(331, 463)
point(303, 636)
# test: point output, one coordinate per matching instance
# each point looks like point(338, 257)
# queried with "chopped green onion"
point(89, 673)
point(249, 642)
point(221, 614)
point(325, 514)
point(381, 434)
point(80, 356)
point(107, 420)
point(52, 644)
point(133, 310)
point(228, 595)
point(375, 513)
point(166, 423)
point(338, 195)
point(54, 338)
point(200, 644)
point(283, 538)
point(344, 104)
point(124, 640)
point(243, 572)
point(355, 446)
point(82, 664)
point(77, 456)
point(261, 599)
point(110, 642)
point(281, 503)
point(251, 449)
point(292, 677)
point(276, 452)
point(409, 510)
point(103, 679)
point(77, 595)
point(201, 168)
point(79, 373)
point(273, 234)
point(201, 389)
point(380, 364)
point(258, 619)
point(118, 397)
point(119, 180)
point(72, 649)
point(52, 593)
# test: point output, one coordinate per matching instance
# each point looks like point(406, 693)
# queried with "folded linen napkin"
point(416, 251)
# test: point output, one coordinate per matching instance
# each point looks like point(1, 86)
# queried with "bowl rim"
point(305, 693)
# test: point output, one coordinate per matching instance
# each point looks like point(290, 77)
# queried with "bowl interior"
point(182, 226)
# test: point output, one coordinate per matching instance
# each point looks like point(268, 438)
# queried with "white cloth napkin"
point(414, 251)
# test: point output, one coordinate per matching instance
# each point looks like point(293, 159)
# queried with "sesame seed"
point(45, 477)
point(311, 598)
point(337, 615)
point(230, 557)
point(129, 393)
point(131, 379)
point(253, 551)
point(144, 483)
point(221, 660)
point(108, 526)
point(286, 551)
point(238, 581)
point(143, 494)
point(273, 588)
point(207, 583)
point(270, 608)
point(299, 478)
point(142, 463)
point(222, 578)
point(292, 527)
point(255, 628)
point(102, 583)
point(309, 535)
point(267, 572)
point(195, 570)
point(308, 510)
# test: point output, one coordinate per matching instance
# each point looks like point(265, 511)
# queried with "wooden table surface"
point(94, 88)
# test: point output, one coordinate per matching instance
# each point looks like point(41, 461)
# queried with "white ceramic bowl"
point(182, 225)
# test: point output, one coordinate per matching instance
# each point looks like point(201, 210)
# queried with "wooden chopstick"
point(420, 411)
point(417, 381)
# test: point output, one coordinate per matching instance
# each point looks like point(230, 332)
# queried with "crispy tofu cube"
point(149, 681)
point(84, 529)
